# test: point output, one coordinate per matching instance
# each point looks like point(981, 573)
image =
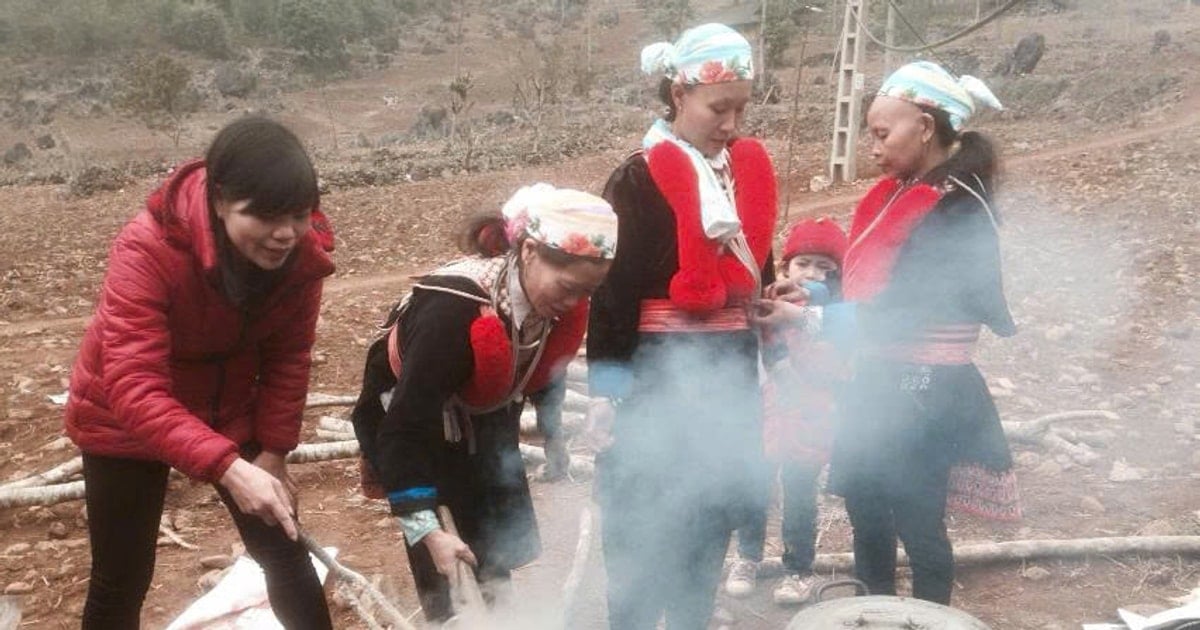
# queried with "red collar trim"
point(878, 232)
point(709, 279)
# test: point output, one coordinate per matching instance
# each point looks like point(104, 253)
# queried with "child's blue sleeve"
point(818, 293)
point(840, 324)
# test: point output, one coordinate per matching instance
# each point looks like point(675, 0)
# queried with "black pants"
point(917, 515)
point(798, 482)
point(655, 570)
point(124, 506)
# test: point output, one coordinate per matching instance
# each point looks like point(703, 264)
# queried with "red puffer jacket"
point(169, 368)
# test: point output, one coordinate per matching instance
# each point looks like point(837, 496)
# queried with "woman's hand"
point(447, 550)
point(259, 493)
point(601, 414)
point(276, 464)
point(786, 290)
point(776, 314)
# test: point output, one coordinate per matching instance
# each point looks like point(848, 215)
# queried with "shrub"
point(315, 28)
point(201, 28)
point(155, 90)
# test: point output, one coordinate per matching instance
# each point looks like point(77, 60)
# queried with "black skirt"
point(903, 424)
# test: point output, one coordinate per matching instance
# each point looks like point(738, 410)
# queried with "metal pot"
point(881, 612)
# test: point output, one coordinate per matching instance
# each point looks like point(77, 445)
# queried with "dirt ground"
point(1101, 243)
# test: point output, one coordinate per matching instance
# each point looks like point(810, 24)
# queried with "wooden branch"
point(1031, 430)
point(537, 455)
point(583, 548)
point(41, 495)
point(1021, 550)
point(175, 538)
point(58, 474)
point(317, 399)
point(307, 453)
point(391, 615)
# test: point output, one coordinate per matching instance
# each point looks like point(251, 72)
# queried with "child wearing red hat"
point(798, 393)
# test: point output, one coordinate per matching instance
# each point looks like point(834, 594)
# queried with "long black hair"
point(976, 154)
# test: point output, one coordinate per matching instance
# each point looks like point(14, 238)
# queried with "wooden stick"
point(1022, 550)
point(58, 474)
point(464, 591)
point(340, 572)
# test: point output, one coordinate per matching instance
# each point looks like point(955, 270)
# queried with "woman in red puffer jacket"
point(197, 358)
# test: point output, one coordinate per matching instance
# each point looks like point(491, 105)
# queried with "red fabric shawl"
point(709, 279)
point(878, 232)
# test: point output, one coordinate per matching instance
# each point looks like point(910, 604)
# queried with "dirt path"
point(1190, 109)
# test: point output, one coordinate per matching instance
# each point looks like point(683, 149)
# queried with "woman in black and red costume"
point(439, 413)
point(920, 431)
point(672, 358)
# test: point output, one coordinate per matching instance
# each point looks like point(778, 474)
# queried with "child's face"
point(809, 268)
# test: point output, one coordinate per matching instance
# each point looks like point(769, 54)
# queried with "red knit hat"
point(816, 236)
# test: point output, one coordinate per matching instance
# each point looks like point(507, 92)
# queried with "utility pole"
point(849, 94)
point(889, 57)
point(762, 47)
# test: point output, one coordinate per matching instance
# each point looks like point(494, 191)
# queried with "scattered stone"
point(1164, 380)
point(1122, 401)
point(1027, 459)
point(1121, 471)
point(819, 183)
point(1025, 57)
point(58, 530)
point(45, 142)
point(237, 549)
point(1091, 505)
point(1036, 574)
point(1058, 333)
point(1006, 383)
point(1162, 39)
point(1145, 610)
point(219, 561)
point(17, 549)
point(17, 154)
point(231, 80)
point(386, 522)
point(1161, 527)
point(210, 579)
point(1048, 468)
point(18, 588)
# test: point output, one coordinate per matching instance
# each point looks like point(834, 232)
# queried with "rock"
point(819, 183)
point(1025, 57)
point(219, 561)
point(210, 579)
point(237, 549)
point(1006, 383)
point(1164, 380)
point(45, 142)
point(58, 530)
point(1162, 39)
point(1036, 574)
point(17, 549)
point(1121, 471)
point(1027, 459)
point(1161, 527)
point(231, 80)
point(1122, 401)
point(1048, 468)
point(182, 520)
point(17, 154)
point(386, 522)
point(1091, 505)
point(18, 588)
point(1058, 333)
point(1145, 610)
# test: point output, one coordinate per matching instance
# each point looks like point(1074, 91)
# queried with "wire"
point(959, 35)
point(904, 18)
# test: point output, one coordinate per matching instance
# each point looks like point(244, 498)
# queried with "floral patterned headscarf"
point(710, 53)
point(926, 83)
point(572, 221)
